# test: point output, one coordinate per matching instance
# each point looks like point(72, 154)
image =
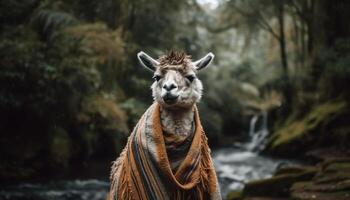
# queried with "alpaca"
point(167, 155)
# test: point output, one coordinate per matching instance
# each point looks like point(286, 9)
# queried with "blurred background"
point(275, 106)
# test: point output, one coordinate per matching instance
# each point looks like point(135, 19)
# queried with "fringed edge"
point(206, 168)
point(204, 188)
point(124, 189)
point(114, 175)
point(120, 186)
point(120, 181)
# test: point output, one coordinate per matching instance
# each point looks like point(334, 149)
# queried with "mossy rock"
point(338, 166)
point(344, 195)
point(265, 198)
point(331, 183)
point(295, 170)
point(333, 172)
point(234, 195)
point(315, 187)
point(277, 186)
point(327, 181)
point(332, 177)
point(295, 135)
point(301, 186)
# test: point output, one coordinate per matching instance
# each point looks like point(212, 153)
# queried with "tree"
point(261, 15)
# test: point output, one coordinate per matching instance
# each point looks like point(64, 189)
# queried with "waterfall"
point(258, 132)
point(252, 125)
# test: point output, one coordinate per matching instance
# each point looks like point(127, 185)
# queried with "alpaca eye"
point(190, 77)
point(157, 77)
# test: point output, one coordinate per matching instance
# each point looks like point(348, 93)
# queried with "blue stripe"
point(140, 165)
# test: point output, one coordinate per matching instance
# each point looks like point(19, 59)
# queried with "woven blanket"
point(144, 169)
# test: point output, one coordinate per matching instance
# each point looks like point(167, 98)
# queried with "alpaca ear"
point(147, 61)
point(204, 62)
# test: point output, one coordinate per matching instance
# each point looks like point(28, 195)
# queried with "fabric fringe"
point(134, 178)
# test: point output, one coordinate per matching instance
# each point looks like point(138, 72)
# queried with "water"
point(235, 166)
point(238, 165)
point(91, 189)
point(258, 132)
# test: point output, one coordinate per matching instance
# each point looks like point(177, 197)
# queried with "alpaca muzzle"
point(170, 98)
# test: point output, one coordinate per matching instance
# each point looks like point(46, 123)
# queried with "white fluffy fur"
point(189, 92)
point(177, 116)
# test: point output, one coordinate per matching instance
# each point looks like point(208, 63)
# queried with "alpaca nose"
point(169, 87)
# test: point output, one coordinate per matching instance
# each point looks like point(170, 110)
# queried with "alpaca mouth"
point(169, 98)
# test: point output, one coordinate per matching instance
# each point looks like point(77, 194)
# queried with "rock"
point(237, 195)
point(297, 136)
point(321, 196)
point(332, 182)
point(329, 180)
point(234, 195)
point(295, 170)
point(326, 154)
point(265, 198)
point(338, 166)
point(315, 187)
point(331, 177)
point(277, 186)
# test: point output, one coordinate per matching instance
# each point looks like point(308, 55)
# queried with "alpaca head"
point(175, 82)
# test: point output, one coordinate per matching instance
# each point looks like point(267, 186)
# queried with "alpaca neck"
point(178, 121)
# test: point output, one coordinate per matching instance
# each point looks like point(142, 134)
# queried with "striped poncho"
point(144, 169)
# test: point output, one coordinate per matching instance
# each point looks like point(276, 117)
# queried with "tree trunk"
point(282, 40)
point(310, 25)
point(296, 43)
point(284, 61)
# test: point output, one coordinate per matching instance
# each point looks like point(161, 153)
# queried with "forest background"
point(72, 90)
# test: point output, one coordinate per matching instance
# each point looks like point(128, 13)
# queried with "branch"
point(263, 23)
point(227, 26)
point(266, 26)
point(299, 11)
point(221, 29)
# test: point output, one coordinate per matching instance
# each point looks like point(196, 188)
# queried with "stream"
point(235, 166)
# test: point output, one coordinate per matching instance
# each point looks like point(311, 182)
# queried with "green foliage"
point(56, 72)
point(105, 113)
point(49, 22)
point(134, 109)
point(69, 80)
point(298, 135)
point(27, 70)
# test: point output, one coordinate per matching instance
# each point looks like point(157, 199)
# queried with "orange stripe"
point(194, 178)
point(133, 167)
point(149, 173)
point(163, 157)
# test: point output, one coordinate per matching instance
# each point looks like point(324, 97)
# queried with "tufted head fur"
point(176, 84)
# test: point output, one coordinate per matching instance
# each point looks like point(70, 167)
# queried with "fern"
point(49, 22)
